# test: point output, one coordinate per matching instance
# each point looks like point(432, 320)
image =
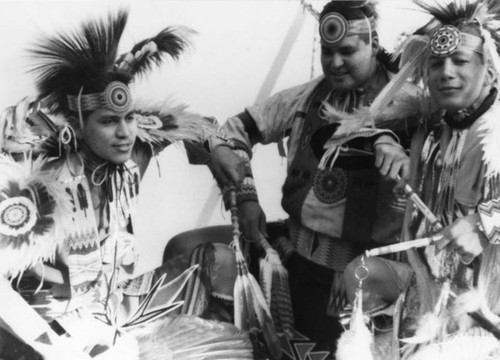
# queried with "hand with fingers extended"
point(228, 167)
point(252, 221)
point(391, 159)
point(465, 237)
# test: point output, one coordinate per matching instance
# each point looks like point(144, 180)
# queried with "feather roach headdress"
point(470, 23)
point(473, 24)
point(82, 71)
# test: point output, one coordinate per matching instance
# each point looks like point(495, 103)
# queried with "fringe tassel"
point(249, 300)
point(274, 282)
point(329, 157)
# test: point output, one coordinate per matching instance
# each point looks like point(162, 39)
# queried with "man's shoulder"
point(289, 99)
point(301, 89)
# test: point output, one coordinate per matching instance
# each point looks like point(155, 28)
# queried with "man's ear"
point(375, 44)
point(490, 77)
point(74, 122)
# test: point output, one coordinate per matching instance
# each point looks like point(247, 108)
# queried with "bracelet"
point(246, 192)
point(389, 143)
point(247, 240)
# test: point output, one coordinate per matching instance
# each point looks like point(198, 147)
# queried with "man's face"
point(456, 81)
point(348, 64)
point(110, 135)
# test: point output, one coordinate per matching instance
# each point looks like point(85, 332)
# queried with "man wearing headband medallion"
point(70, 200)
point(452, 306)
point(341, 168)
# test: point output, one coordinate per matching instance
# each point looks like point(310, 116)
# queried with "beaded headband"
point(334, 27)
point(448, 39)
point(115, 97)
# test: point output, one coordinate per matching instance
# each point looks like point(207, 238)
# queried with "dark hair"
point(387, 60)
point(366, 37)
point(468, 27)
point(351, 10)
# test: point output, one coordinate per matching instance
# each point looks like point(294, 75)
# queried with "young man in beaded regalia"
point(82, 148)
point(452, 307)
point(341, 168)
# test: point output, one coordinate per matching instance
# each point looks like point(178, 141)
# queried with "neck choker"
point(465, 118)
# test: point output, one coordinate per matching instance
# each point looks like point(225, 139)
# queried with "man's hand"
point(229, 168)
point(464, 236)
point(252, 221)
point(390, 159)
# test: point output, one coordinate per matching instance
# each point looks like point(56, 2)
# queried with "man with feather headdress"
point(83, 147)
point(455, 167)
point(336, 196)
point(452, 308)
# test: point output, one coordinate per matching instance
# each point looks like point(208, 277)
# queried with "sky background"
point(225, 70)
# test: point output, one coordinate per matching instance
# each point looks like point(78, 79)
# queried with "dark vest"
point(353, 176)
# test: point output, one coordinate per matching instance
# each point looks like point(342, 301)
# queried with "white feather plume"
point(474, 344)
point(356, 342)
point(489, 131)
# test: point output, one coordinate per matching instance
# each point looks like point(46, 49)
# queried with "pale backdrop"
point(236, 45)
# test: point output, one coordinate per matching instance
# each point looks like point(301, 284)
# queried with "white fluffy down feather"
point(474, 344)
point(356, 343)
point(489, 130)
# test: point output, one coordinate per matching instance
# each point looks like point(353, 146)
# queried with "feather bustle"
point(29, 179)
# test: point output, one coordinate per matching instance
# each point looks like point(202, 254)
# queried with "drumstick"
point(429, 215)
point(412, 244)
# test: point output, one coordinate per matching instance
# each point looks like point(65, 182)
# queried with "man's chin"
point(452, 105)
point(342, 83)
point(118, 160)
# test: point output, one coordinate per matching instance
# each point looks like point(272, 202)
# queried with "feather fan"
point(191, 338)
